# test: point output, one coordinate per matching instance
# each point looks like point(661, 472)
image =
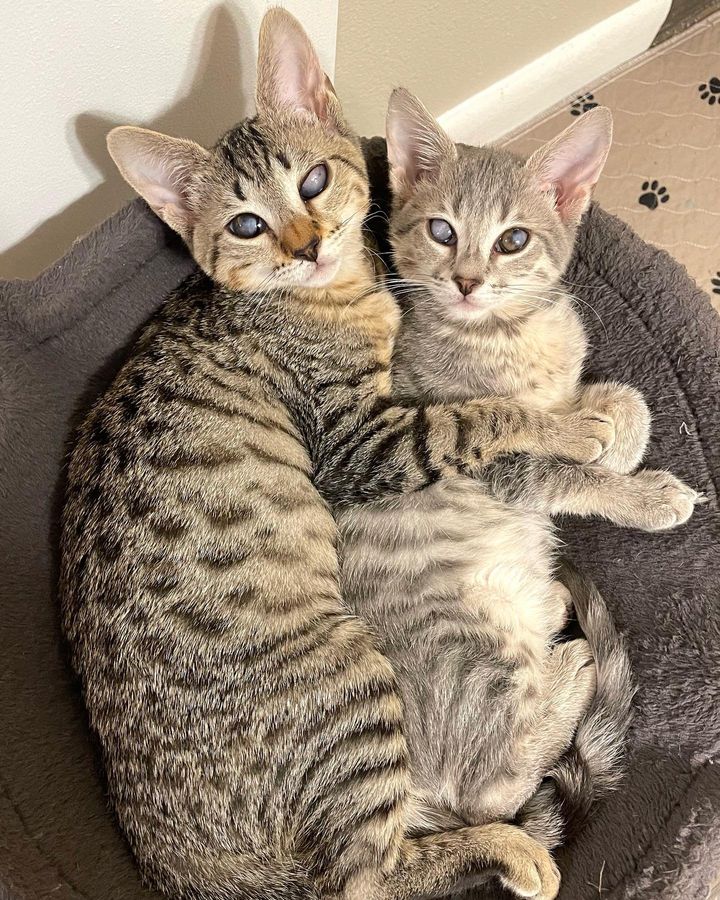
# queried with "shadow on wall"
point(212, 102)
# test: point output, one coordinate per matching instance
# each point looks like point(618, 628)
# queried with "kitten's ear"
point(158, 167)
point(289, 75)
point(416, 145)
point(571, 163)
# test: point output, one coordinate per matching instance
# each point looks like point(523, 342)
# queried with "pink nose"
point(466, 285)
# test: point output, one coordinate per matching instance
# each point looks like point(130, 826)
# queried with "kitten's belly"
point(459, 589)
point(492, 561)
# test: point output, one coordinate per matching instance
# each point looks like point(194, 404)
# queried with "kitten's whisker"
point(585, 287)
point(260, 292)
point(395, 283)
point(377, 210)
point(376, 255)
point(378, 214)
point(575, 299)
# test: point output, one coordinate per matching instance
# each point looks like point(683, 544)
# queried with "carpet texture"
point(62, 338)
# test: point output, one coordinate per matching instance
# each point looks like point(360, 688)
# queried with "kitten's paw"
point(585, 436)
point(576, 673)
point(627, 408)
point(661, 501)
point(527, 868)
point(559, 606)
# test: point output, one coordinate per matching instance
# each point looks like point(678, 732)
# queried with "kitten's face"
point(482, 235)
point(487, 233)
point(279, 202)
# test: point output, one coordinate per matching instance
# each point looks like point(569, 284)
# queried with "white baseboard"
point(522, 96)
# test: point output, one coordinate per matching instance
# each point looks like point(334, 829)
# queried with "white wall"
point(446, 50)
point(74, 69)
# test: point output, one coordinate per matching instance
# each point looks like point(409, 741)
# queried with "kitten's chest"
point(538, 363)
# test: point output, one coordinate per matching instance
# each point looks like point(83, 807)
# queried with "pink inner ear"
point(401, 149)
point(160, 189)
point(164, 196)
point(300, 79)
point(572, 171)
point(567, 192)
point(410, 149)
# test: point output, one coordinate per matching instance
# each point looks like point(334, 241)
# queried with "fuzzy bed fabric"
point(62, 338)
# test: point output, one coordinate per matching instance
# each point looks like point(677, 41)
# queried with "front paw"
point(585, 436)
point(630, 413)
point(660, 501)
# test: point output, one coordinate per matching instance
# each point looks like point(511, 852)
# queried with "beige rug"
point(663, 173)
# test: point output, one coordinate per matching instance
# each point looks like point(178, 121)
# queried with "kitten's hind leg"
point(435, 865)
point(629, 411)
point(568, 692)
point(559, 606)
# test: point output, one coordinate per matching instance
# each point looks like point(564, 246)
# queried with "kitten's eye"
point(246, 225)
point(314, 182)
point(442, 231)
point(512, 240)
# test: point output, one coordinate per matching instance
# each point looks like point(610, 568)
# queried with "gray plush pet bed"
point(62, 338)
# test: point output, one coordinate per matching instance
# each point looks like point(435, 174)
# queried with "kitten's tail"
point(593, 764)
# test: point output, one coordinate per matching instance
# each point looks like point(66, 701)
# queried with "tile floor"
point(663, 172)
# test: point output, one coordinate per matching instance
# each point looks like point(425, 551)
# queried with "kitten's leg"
point(435, 865)
point(567, 695)
point(627, 408)
point(651, 500)
point(368, 453)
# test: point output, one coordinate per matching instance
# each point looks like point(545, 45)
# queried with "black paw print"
point(715, 282)
point(711, 90)
point(654, 194)
point(582, 103)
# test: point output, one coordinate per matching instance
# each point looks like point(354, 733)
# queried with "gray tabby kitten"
point(459, 581)
point(252, 733)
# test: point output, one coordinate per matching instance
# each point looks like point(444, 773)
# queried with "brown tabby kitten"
point(251, 731)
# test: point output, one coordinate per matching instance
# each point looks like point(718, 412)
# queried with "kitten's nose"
point(309, 251)
point(466, 285)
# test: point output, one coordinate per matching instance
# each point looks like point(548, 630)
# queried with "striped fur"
point(252, 733)
point(459, 581)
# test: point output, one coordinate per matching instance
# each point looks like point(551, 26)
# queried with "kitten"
point(459, 580)
point(252, 733)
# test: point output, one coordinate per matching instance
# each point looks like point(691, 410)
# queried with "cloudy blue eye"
point(314, 182)
point(442, 231)
point(512, 240)
point(246, 225)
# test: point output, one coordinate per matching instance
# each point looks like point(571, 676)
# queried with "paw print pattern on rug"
point(582, 103)
point(653, 194)
point(715, 282)
point(710, 90)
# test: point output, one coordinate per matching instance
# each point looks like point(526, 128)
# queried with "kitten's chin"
point(467, 310)
point(322, 274)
